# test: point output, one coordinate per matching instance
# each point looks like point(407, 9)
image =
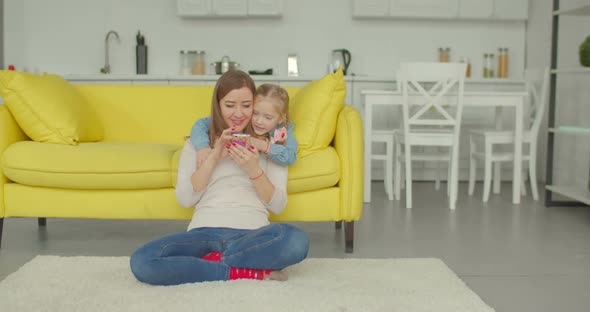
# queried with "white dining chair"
point(386, 137)
point(432, 96)
point(485, 144)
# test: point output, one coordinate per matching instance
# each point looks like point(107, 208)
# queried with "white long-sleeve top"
point(230, 199)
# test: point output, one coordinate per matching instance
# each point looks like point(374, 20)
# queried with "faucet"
point(107, 67)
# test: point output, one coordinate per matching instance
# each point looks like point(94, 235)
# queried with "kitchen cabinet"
point(423, 8)
point(476, 8)
point(191, 8)
point(511, 9)
point(264, 8)
point(370, 8)
point(230, 7)
point(492, 10)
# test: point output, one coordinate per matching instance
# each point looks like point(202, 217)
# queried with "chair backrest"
point(537, 85)
point(428, 90)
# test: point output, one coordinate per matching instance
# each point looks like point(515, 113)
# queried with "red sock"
point(213, 256)
point(241, 273)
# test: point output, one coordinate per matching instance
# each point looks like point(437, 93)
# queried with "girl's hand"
point(260, 145)
point(246, 158)
point(222, 143)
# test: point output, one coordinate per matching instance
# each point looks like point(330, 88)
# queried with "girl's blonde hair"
point(278, 96)
point(231, 80)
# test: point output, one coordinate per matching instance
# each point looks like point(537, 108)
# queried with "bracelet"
point(267, 147)
point(258, 176)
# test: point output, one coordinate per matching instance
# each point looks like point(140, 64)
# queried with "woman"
point(229, 236)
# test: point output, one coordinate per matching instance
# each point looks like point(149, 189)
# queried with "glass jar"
point(192, 62)
point(198, 67)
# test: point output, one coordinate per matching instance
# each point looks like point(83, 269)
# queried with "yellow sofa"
point(131, 172)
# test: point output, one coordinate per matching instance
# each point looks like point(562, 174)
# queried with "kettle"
point(341, 57)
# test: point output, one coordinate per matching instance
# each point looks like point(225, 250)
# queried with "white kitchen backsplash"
point(67, 37)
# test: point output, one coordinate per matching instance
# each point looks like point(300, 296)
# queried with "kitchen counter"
point(131, 77)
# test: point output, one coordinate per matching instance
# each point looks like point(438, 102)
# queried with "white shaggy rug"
point(51, 283)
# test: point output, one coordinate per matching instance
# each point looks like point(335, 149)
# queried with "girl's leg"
point(273, 247)
point(176, 259)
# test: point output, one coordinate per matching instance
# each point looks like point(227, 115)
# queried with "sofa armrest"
point(348, 141)
point(10, 132)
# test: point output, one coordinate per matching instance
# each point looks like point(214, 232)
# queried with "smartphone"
point(241, 138)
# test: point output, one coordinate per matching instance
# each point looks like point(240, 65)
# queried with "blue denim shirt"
point(282, 154)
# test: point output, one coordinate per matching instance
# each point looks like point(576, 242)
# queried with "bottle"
point(491, 66)
point(468, 71)
point(500, 69)
point(447, 55)
point(506, 62)
point(486, 73)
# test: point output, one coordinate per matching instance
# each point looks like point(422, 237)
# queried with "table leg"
point(517, 172)
point(498, 165)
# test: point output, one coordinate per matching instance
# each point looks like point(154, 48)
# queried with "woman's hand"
point(222, 143)
point(246, 158)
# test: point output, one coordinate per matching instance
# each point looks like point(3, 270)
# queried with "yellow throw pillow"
point(49, 109)
point(314, 111)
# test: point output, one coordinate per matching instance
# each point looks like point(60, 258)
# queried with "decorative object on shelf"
point(141, 55)
point(468, 62)
point(502, 63)
point(585, 52)
point(444, 55)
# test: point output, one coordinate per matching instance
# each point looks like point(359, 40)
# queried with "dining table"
point(498, 99)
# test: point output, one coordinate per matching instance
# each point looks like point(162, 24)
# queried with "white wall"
point(67, 37)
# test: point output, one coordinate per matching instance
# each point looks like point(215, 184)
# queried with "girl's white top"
point(230, 199)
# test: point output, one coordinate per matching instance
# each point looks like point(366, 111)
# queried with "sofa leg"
point(42, 221)
point(1, 226)
point(349, 236)
point(338, 225)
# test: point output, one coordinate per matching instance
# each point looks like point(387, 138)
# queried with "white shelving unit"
point(579, 194)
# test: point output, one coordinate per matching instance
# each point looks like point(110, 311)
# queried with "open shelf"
point(579, 10)
point(579, 193)
point(571, 130)
point(572, 70)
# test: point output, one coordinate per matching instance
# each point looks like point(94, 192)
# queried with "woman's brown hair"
point(231, 80)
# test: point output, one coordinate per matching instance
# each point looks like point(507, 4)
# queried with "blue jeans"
point(176, 259)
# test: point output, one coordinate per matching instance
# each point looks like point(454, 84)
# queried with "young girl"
point(232, 191)
point(273, 132)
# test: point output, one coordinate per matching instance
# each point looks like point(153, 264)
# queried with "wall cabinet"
point(500, 10)
point(476, 8)
point(187, 8)
point(423, 8)
point(264, 7)
point(511, 9)
point(370, 8)
point(228, 8)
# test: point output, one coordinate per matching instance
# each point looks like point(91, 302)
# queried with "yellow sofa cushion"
point(49, 109)
point(314, 110)
point(318, 170)
point(90, 166)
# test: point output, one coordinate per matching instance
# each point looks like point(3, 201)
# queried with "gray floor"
point(517, 258)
